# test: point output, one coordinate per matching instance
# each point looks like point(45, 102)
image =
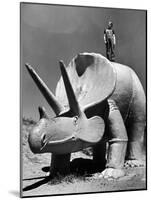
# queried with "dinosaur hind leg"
point(136, 124)
point(136, 144)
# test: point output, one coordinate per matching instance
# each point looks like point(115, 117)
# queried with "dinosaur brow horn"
point(49, 96)
point(73, 103)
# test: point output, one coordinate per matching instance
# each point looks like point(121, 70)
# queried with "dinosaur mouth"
point(63, 146)
point(49, 142)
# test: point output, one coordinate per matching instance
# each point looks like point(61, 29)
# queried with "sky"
point(50, 33)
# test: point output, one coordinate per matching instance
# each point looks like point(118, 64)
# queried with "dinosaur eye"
point(75, 119)
point(43, 139)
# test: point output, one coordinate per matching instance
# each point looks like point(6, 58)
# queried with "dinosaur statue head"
point(75, 126)
point(54, 135)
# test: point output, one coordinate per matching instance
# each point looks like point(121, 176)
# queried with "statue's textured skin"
point(96, 101)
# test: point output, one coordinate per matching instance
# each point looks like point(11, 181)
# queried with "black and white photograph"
point(83, 87)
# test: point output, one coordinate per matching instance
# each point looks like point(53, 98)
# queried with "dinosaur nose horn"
point(49, 96)
point(73, 103)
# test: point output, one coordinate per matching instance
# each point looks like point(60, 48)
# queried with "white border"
point(9, 99)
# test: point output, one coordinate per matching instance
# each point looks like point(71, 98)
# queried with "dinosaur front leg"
point(99, 155)
point(60, 164)
point(117, 144)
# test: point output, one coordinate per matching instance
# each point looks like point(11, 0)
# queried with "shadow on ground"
point(78, 167)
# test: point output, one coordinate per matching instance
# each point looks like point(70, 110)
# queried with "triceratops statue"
point(96, 101)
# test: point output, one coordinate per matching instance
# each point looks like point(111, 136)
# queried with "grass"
point(71, 178)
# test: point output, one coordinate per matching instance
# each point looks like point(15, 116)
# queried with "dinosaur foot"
point(134, 163)
point(48, 174)
point(111, 173)
point(55, 176)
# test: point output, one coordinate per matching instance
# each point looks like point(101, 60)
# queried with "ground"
point(35, 181)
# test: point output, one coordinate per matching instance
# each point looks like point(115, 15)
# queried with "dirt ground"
point(35, 181)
